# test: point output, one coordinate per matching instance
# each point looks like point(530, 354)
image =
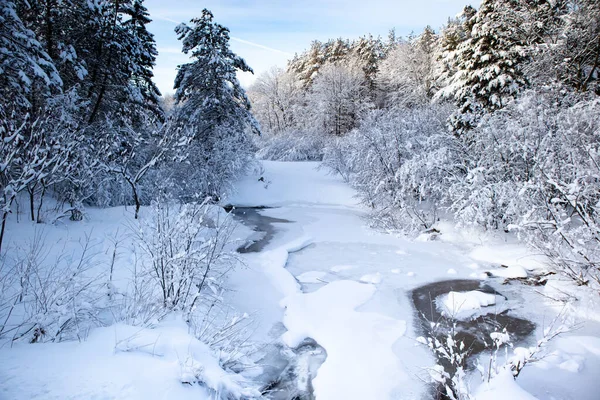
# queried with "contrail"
point(165, 19)
point(237, 39)
point(260, 46)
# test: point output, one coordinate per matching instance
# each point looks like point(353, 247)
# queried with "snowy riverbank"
point(323, 275)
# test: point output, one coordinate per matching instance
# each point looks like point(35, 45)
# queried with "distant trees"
point(338, 96)
point(408, 75)
point(324, 90)
point(276, 97)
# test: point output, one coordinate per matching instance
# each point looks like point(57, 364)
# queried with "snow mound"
point(360, 362)
point(371, 278)
point(312, 277)
point(463, 305)
point(514, 271)
point(502, 387)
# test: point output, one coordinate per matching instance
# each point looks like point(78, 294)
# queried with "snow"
point(348, 251)
point(566, 369)
point(273, 261)
point(312, 277)
point(463, 305)
point(340, 268)
point(293, 183)
point(360, 363)
point(371, 278)
point(502, 387)
point(121, 361)
point(356, 305)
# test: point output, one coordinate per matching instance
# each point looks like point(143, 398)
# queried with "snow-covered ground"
point(352, 288)
point(325, 275)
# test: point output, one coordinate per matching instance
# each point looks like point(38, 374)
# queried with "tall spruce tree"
point(213, 108)
point(488, 64)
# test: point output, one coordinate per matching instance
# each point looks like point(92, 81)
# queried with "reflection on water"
point(261, 224)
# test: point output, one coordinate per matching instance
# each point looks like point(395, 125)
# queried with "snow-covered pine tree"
point(213, 107)
point(306, 65)
point(143, 51)
point(119, 55)
point(488, 65)
point(369, 51)
point(456, 31)
point(58, 26)
point(27, 76)
point(25, 66)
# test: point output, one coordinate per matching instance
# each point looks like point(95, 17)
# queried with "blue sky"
point(269, 32)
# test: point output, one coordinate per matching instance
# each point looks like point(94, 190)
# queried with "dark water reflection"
point(261, 224)
point(475, 332)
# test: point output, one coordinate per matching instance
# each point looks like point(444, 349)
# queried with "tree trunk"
point(31, 191)
point(136, 198)
point(3, 228)
point(39, 210)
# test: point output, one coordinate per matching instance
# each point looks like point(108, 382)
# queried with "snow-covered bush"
point(292, 146)
point(535, 168)
point(450, 372)
point(50, 297)
point(184, 253)
point(401, 161)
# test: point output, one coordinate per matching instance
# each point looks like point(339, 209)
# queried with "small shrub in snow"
point(48, 297)
point(452, 353)
point(184, 252)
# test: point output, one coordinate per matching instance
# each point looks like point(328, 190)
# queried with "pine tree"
point(306, 65)
point(25, 67)
point(369, 51)
point(143, 50)
point(489, 65)
point(119, 53)
point(213, 107)
point(208, 88)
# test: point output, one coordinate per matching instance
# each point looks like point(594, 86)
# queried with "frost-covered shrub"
point(292, 146)
point(401, 161)
point(534, 166)
point(183, 254)
point(49, 296)
point(564, 222)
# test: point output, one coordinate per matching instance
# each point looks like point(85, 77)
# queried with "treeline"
point(493, 120)
point(81, 118)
